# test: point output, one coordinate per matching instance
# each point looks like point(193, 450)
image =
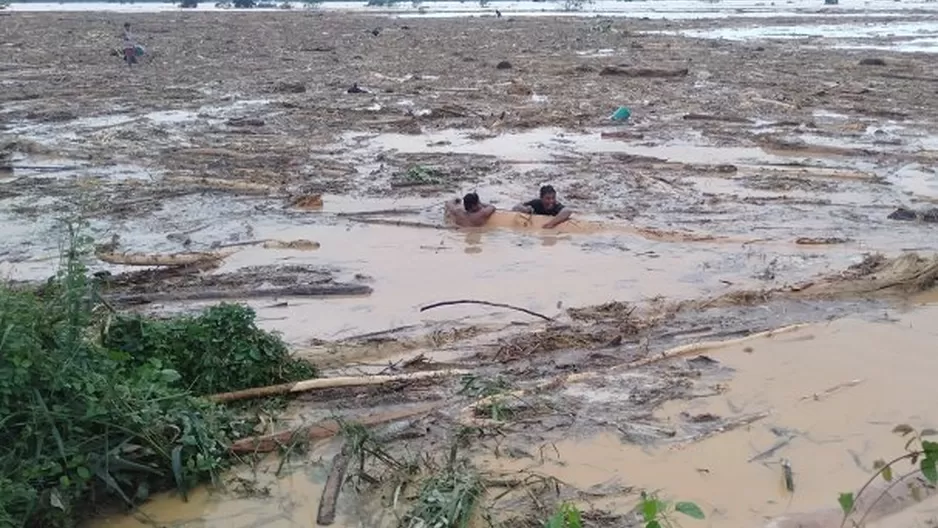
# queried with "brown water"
point(249, 500)
point(837, 390)
point(884, 371)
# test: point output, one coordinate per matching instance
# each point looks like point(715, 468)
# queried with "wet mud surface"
point(751, 189)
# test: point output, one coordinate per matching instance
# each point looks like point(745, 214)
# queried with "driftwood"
point(710, 117)
point(330, 492)
point(486, 303)
point(150, 259)
point(300, 244)
point(307, 202)
point(466, 414)
point(275, 244)
point(398, 223)
point(809, 241)
point(310, 290)
point(324, 429)
point(642, 72)
point(329, 383)
point(223, 184)
point(379, 212)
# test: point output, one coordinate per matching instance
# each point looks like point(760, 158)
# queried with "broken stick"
point(330, 383)
point(486, 303)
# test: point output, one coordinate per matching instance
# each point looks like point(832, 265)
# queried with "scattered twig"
point(836, 388)
point(486, 303)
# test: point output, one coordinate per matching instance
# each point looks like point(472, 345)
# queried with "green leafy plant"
point(448, 498)
point(219, 350)
point(84, 425)
point(566, 516)
point(920, 453)
point(657, 513)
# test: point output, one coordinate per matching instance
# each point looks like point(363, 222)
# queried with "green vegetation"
point(218, 350)
point(920, 453)
point(96, 409)
point(566, 516)
point(448, 498)
point(660, 514)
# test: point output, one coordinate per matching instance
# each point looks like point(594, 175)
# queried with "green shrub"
point(219, 350)
point(85, 426)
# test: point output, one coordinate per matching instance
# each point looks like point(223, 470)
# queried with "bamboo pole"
point(331, 383)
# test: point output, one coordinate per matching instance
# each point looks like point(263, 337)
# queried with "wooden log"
point(323, 429)
point(155, 259)
point(311, 290)
point(643, 72)
point(330, 492)
point(329, 383)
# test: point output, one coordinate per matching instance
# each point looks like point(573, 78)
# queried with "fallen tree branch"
point(486, 303)
point(312, 290)
point(330, 492)
point(329, 383)
point(323, 429)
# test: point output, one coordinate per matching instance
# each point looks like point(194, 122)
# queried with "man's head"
point(548, 197)
point(127, 25)
point(471, 202)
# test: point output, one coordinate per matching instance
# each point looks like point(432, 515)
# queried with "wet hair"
point(547, 189)
point(470, 200)
point(127, 25)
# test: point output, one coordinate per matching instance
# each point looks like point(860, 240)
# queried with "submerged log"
point(155, 259)
point(310, 290)
point(323, 429)
point(643, 72)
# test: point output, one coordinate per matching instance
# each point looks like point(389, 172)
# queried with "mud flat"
point(750, 191)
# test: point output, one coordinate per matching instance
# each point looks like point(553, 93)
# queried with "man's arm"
point(561, 217)
point(480, 217)
point(525, 207)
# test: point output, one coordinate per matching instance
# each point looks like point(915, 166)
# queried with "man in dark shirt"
point(473, 213)
point(546, 205)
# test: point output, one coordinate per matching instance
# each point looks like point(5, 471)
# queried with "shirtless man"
point(473, 213)
point(547, 205)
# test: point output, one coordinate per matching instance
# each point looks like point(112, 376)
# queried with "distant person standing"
point(130, 46)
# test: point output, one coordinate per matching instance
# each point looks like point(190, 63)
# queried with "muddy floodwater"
point(777, 169)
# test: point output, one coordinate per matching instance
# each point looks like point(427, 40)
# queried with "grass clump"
point(448, 499)
point(87, 421)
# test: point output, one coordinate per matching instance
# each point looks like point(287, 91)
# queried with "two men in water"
point(474, 213)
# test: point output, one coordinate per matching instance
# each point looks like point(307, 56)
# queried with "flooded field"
point(776, 170)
